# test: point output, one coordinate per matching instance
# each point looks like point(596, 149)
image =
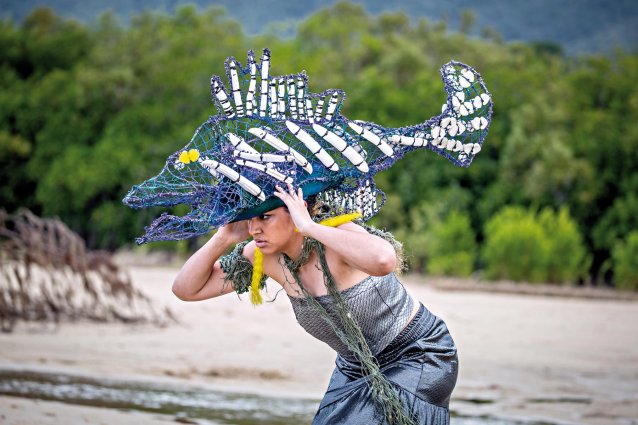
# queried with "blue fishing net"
point(271, 130)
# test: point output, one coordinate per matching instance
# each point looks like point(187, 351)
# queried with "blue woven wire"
point(216, 200)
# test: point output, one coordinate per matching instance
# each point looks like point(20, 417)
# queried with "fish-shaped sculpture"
point(271, 130)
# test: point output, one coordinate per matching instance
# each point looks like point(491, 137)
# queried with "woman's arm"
point(202, 277)
point(361, 250)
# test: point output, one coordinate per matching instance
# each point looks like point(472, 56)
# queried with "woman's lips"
point(260, 244)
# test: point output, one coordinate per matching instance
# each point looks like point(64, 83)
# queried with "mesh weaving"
point(238, 269)
point(271, 130)
point(380, 306)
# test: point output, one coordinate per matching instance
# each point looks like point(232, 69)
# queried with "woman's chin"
point(265, 247)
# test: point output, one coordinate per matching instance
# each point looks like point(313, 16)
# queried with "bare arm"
point(363, 251)
point(201, 277)
point(354, 245)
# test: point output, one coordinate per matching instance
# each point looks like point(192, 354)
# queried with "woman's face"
point(272, 231)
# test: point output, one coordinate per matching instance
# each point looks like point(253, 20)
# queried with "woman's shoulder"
point(248, 250)
point(352, 227)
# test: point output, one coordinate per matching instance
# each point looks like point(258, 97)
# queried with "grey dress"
point(419, 358)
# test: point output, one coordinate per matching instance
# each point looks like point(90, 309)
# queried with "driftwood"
point(48, 274)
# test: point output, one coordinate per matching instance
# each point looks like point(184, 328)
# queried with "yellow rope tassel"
point(258, 272)
point(340, 219)
point(258, 265)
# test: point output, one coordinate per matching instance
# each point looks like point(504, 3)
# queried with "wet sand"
point(555, 359)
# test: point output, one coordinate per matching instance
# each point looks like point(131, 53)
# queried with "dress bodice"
point(379, 304)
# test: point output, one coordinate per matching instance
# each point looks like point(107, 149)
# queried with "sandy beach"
point(553, 359)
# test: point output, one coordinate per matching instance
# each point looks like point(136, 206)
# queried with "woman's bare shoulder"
point(249, 251)
point(354, 227)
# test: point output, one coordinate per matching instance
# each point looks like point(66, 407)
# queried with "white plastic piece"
point(485, 98)
point(250, 97)
point(458, 146)
point(469, 75)
point(454, 129)
point(463, 82)
point(239, 143)
point(477, 102)
point(476, 123)
point(476, 148)
point(263, 157)
point(281, 97)
point(332, 106)
point(467, 148)
point(409, 141)
point(309, 112)
point(235, 89)
point(292, 99)
point(319, 109)
point(342, 146)
point(463, 111)
point(252, 188)
point(313, 146)
point(444, 108)
point(451, 143)
point(484, 123)
point(372, 138)
point(273, 100)
point(445, 122)
point(280, 145)
point(436, 132)
point(469, 107)
point(462, 127)
point(221, 96)
point(265, 69)
point(268, 170)
point(301, 108)
point(460, 96)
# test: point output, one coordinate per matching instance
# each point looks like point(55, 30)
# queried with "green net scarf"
point(238, 271)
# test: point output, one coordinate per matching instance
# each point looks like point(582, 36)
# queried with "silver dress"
point(419, 358)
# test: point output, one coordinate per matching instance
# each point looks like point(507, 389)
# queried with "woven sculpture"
point(272, 129)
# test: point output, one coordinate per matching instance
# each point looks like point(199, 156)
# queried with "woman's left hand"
point(296, 207)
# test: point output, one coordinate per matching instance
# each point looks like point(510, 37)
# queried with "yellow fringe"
point(340, 219)
point(258, 272)
point(258, 265)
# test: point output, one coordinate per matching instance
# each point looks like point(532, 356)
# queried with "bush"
point(625, 260)
point(515, 247)
point(567, 258)
point(546, 247)
point(453, 246)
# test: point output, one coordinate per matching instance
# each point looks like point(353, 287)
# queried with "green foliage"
point(85, 112)
point(453, 250)
point(515, 246)
point(625, 260)
point(521, 245)
point(567, 258)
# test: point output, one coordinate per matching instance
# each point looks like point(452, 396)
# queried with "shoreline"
point(525, 288)
point(557, 359)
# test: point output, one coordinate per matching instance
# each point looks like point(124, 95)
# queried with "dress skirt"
point(422, 365)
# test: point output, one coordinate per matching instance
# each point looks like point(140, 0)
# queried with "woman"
point(397, 362)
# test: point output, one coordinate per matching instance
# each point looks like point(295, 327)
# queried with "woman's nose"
point(253, 227)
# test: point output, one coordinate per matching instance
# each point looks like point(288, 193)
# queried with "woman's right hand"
point(235, 232)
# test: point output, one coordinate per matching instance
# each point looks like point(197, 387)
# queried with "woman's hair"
point(312, 206)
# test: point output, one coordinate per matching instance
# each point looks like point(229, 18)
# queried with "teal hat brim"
point(309, 189)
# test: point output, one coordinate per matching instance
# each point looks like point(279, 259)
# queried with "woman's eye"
point(264, 216)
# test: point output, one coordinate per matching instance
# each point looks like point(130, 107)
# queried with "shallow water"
point(203, 407)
